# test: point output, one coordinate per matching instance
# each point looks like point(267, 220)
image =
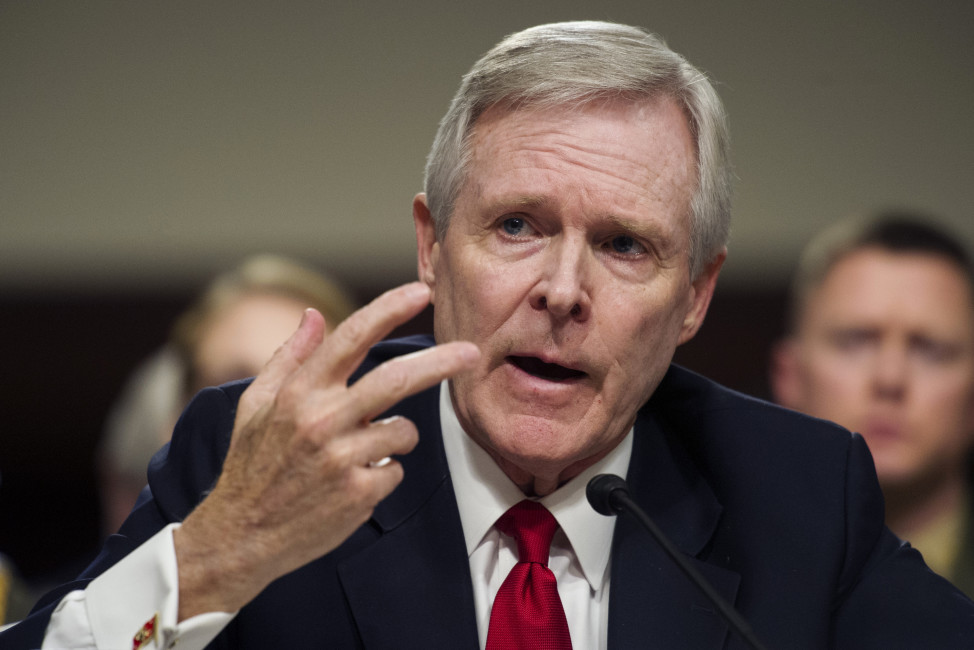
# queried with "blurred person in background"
point(229, 332)
point(246, 314)
point(881, 340)
point(16, 597)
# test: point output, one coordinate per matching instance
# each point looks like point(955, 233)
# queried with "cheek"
point(833, 389)
point(942, 428)
point(640, 335)
point(947, 398)
point(475, 296)
point(659, 319)
point(834, 373)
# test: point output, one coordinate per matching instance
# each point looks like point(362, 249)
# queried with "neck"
point(539, 482)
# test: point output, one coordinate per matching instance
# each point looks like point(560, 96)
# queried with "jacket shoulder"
point(703, 407)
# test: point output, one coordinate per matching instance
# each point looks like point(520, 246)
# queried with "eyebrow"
point(644, 229)
point(519, 202)
point(649, 230)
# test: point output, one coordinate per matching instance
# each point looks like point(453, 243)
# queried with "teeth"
point(549, 371)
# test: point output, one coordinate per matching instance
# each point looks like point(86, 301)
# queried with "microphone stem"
point(726, 610)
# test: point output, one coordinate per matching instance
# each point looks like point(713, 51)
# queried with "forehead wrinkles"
point(656, 168)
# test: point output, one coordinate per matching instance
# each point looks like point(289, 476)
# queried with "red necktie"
point(527, 612)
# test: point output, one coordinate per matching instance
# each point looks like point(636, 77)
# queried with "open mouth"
point(549, 371)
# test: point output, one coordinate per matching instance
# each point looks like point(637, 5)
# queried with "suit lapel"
point(652, 603)
point(411, 587)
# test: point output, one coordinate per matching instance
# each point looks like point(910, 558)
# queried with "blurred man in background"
point(881, 340)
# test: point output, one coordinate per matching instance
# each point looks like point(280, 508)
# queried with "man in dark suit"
point(571, 235)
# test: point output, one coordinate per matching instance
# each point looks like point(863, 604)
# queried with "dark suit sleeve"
point(888, 597)
point(180, 475)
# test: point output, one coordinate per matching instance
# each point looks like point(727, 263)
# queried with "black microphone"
point(608, 494)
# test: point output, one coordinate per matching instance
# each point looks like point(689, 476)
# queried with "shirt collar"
point(484, 493)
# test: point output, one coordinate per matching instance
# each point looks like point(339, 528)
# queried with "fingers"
point(305, 461)
point(403, 376)
point(349, 343)
point(382, 480)
point(370, 452)
point(288, 358)
point(294, 351)
point(382, 439)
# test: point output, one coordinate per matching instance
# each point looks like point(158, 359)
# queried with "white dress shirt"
point(144, 585)
point(579, 555)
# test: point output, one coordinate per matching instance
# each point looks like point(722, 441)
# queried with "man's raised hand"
point(301, 473)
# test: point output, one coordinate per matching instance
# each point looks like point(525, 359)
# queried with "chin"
point(533, 449)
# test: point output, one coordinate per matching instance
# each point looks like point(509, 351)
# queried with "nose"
point(891, 371)
point(563, 284)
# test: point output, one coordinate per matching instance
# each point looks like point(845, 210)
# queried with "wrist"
point(214, 574)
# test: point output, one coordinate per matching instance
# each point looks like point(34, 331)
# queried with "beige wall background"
point(146, 145)
point(149, 144)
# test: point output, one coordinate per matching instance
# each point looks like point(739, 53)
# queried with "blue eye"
point(626, 245)
point(513, 226)
point(623, 244)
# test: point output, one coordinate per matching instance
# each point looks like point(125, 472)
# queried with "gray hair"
point(576, 63)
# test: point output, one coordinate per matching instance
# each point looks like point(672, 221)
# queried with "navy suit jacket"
point(781, 512)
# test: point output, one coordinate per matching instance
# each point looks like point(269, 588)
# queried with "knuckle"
point(310, 437)
point(249, 400)
point(287, 398)
point(358, 488)
point(334, 459)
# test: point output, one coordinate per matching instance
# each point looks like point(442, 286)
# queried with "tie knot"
point(532, 526)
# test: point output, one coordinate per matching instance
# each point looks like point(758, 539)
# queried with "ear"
point(427, 248)
point(785, 374)
point(703, 290)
